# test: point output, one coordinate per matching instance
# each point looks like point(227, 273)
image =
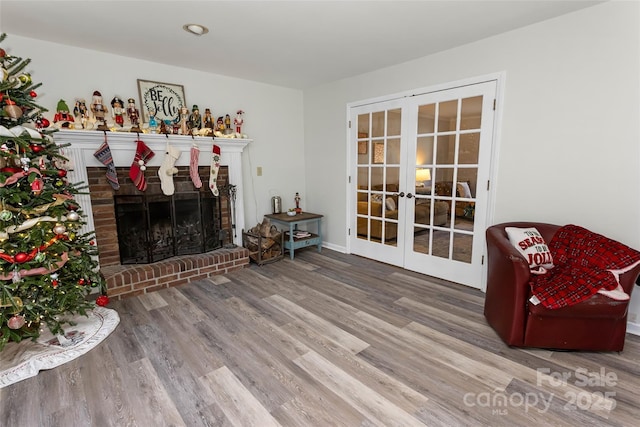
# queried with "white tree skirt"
point(25, 359)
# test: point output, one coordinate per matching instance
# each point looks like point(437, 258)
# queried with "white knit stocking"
point(168, 169)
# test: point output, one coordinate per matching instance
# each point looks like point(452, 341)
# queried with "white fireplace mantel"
point(83, 145)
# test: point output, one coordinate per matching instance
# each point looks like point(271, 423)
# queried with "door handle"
point(409, 195)
point(401, 194)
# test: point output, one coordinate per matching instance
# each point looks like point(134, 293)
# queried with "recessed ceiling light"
point(196, 29)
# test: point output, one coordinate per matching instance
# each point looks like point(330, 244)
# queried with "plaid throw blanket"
point(585, 263)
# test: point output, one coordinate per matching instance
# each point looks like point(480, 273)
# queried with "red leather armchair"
point(598, 323)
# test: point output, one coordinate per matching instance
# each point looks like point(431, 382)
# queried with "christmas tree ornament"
point(16, 275)
point(167, 170)
point(36, 186)
point(215, 168)
point(54, 284)
point(6, 215)
point(36, 148)
point(24, 78)
point(102, 300)
point(21, 257)
point(42, 123)
point(33, 94)
point(73, 216)
point(193, 166)
point(3, 53)
point(103, 154)
point(59, 229)
point(40, 257)
point(136, 173)
point(16, 322)
point(62, 173)
point(12, 109)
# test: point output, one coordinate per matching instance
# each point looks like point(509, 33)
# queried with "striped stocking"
point(103, 154)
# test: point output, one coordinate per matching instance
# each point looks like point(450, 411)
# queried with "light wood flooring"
point(324, 340)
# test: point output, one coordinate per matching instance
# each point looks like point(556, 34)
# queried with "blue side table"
point(290, 241)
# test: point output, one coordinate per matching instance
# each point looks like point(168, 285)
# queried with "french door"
point(421, 168)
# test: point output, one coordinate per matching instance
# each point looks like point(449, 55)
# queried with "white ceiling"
point(295, 44)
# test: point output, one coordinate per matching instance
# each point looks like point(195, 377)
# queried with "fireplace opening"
point(156, 227)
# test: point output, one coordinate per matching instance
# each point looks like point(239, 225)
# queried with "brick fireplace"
point(129, 280)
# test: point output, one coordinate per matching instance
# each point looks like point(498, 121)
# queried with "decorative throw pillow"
point(376, 198)
point(464, 190)
point(530, 243)
point(390, 203)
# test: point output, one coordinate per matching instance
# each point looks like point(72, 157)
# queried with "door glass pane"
point(393, 122)
point(377, 124)
point(446, 148)
point(363, 126)
point(377, 154)
point(424, 151)
point(462, 247)
point(441, 243)
point(448, 116)
point(471, 113)
point(393, 178)
point(421, 239)
point(363, 178)
point(426, 118)
point(393, 151)
point(469, 147)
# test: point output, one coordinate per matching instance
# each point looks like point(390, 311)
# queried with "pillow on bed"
point(530, 243)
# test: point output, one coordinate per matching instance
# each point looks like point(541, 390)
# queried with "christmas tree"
point(48, 266)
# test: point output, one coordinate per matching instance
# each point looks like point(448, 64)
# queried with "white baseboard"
point(333, 247)
point(633, 328)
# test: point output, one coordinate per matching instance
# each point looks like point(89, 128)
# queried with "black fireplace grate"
point(156, 227)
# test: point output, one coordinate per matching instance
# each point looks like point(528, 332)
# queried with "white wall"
point(273, 115)
point(569, 139)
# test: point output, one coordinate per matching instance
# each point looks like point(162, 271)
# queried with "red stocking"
point(136, 173)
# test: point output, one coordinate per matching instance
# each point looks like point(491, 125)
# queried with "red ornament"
point(62, 173)
point(3, 53)
point(102, 300)
point(33, 94)
point(36, 186)
point(21, 257)
point(72, 207)
point(41, 123)
point(92, 242)
point(36, 148)
point(81, 282)
point(1, 96)
point(54, 283)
